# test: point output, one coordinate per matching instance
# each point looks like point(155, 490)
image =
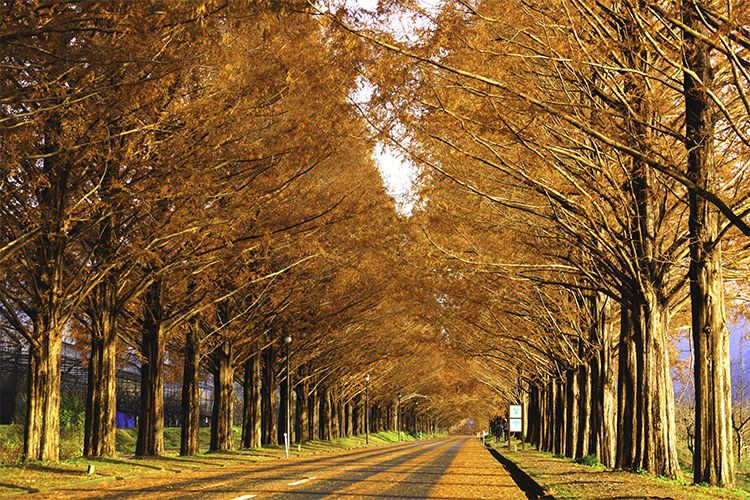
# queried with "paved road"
point(450, 468)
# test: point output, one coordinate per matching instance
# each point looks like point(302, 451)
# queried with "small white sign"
point(515, 425)
point(515, 411)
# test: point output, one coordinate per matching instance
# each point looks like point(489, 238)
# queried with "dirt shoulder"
point(562, 478)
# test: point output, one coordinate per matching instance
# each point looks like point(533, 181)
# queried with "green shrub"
point(72, 412)
point(589, 460)
point(11, 445)
point(71, 441)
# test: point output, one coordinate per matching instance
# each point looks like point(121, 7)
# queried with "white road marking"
point(245, 497)
point(301, 481)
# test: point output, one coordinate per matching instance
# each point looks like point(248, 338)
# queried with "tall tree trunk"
point(190, 431)
point(534, 417)
point(314, 409)
point(251, 416)
point(549, 416)
point(583, 446)
point(340, 417)
point(656, 452)
point(223, 374)
point(594, 402)
point(627, 414)
point(302, 413)
point(268, 391)
point(51, 407)
point(607, 385)
point(325, 413)
point(712, 458)
point(151, 420)
point(35, 394)
point(100, 426)
point(571, 407)
point(348, 415)
point(559, 443)
point(101, 394)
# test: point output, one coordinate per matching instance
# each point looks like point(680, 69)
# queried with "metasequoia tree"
point(56, 137)
point(612, 109)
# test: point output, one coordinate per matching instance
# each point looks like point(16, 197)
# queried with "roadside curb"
point(527, 483)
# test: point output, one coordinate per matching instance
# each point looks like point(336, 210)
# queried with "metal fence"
point(14, 371)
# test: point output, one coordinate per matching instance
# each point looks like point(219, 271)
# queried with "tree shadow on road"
point(523, 480)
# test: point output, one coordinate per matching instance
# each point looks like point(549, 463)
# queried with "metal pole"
point(288, 340)
point(288, 390)
point(367, 409)
point(398, 416)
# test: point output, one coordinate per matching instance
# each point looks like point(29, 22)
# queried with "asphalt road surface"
point(451, 468)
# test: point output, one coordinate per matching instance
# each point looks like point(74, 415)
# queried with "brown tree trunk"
point(100, 427)
point(101, 395)
point(656, 450)
point(712, 458)
point(357, 415)
point(268, 391)
point(607, 386)
point(349, 416)
point(583, 446)
point(340, 416)
point(534, 417)
point(314, 409)
point(35, 394)
point(223, 374)
point(626, 392)
point(252, 405)
point(325, 413)
point(151, 419)
point(51, 405)
point(559, 441)
point(302, 413)
point(572, 407)
point(549, 417)
point(189, 433)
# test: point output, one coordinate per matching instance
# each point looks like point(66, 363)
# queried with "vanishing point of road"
point(457, 468)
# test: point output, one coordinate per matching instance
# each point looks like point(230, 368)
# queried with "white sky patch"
point(399, 176)
point(399, 173)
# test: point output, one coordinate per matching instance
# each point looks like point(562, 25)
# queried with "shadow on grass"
point(17, 487)
point(51, 469)
point(523, 480)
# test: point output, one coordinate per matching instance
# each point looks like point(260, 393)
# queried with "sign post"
point(516, 422)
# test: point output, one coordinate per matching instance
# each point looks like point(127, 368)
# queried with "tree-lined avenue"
point(191, 208)
point(457, 468)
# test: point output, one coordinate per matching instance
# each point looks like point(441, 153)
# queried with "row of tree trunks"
point(318, 413)
point(626, 416)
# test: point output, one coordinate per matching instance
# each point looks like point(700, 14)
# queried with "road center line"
point(300, 481)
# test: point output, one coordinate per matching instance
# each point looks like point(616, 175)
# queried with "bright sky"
point(399, 173)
